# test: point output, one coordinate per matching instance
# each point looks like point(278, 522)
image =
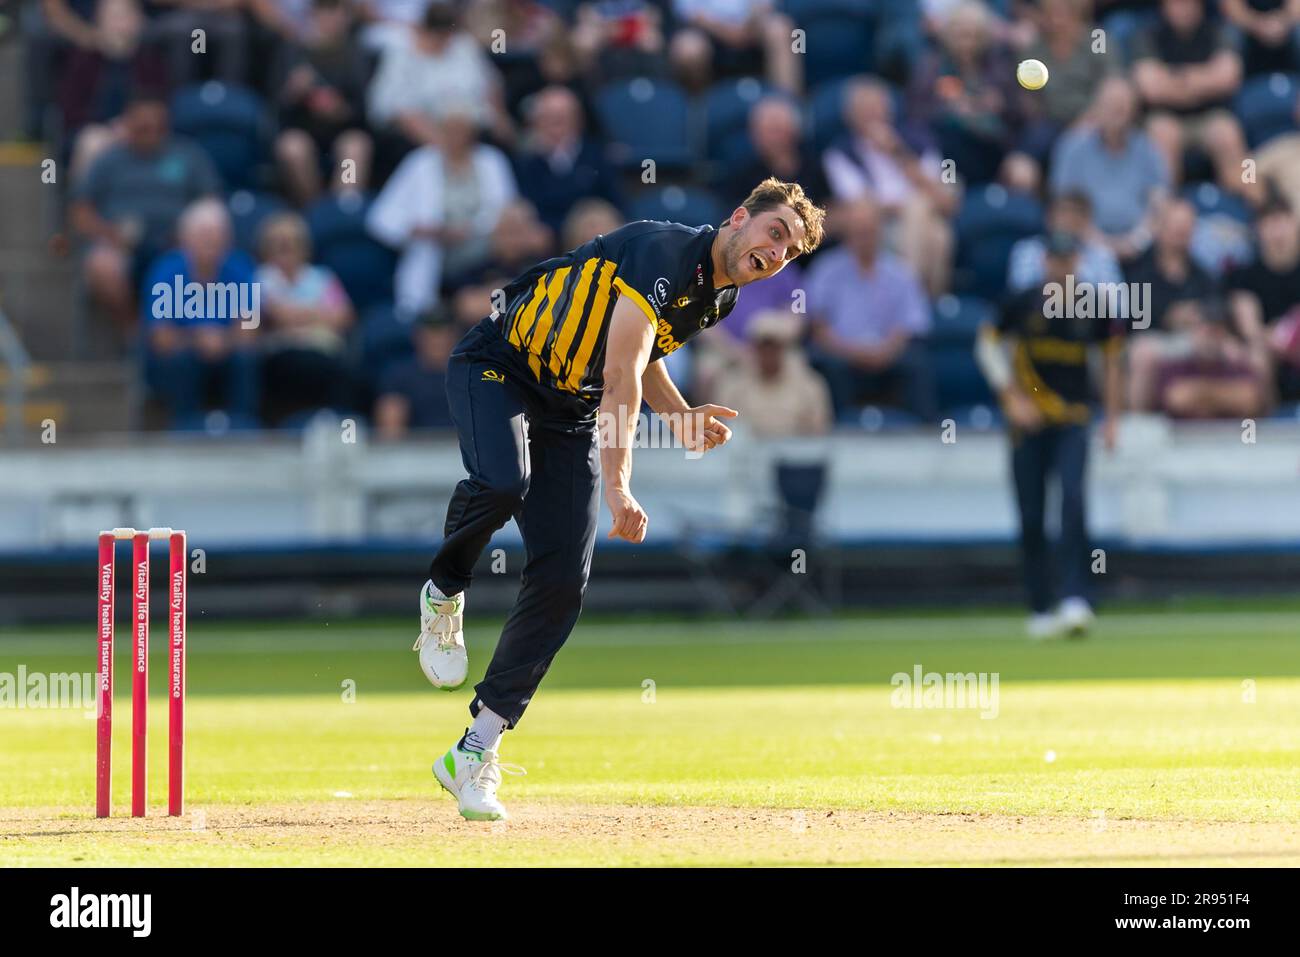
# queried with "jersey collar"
point(703, 281)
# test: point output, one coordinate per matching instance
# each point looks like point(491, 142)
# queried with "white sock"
point(485, 733)
point(436, 594)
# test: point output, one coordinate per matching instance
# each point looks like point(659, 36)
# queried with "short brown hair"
point(772, 192)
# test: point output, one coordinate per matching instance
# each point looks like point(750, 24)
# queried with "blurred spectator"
point(225, 33)
point(321, 83)
point(291, 20)
point(1213, 376)
point(588, 219)
point(413, 392)
point(127, 203)
point(868, 310)
point(1269, 29)
point(876, 159)
point(1020, 173)
point(524, 32)
point(1171, 278)
point(781, 395)
point(1265, 297)
point(388, 23)
point(520, 240)
point(418, 81)
point(96, 81)
point(966, 91)
point(1065, 41)
point(1116, 166)
point(1168, 265)
point(558, 165)
point(201, 361)
point(1038, 367)
point(1187, 69)
point(472, 301)
point(440, 209)
point(306, 316)
point(616, 38)
point(726, 38)
point(1067, 213)
point(1278, 162)
point(776, 134)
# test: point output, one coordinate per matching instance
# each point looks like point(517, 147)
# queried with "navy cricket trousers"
point(1061, 450)
point(531, 454)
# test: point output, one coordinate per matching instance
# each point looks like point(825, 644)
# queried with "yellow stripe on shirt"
point(639, 299)
point(595, 319)
point(529, 315)
point(542, 328)
point(571, 321)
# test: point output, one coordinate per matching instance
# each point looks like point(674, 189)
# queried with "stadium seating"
point(1267, 106)
point(384, 337)
point(339, 238)
point(990, 222)
point(646, 119)
point(693, 207)
point(825, 116)
point(229, 123)
point(1212, 201)
point(951, 347)
point(959, 317)
point(826, 113)
point(247, 213)
point(726, 119)
point(839, 37)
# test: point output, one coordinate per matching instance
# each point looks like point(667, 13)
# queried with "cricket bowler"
point(531, 388)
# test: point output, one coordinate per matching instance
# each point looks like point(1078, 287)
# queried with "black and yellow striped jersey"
point(557, 314)
point(1050, 356)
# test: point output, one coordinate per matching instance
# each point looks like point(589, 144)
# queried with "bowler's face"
point(761, 248)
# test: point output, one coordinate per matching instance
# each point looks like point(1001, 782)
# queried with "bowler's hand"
point(630, 519)
point(702, 429)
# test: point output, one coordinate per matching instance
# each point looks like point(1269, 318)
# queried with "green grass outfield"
point(1168, 736)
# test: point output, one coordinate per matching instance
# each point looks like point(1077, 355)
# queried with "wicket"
point(176, 599)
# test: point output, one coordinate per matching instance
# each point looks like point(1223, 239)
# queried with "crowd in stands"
point(381, 167)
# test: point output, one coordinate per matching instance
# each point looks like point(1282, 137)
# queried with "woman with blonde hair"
point(307, 315)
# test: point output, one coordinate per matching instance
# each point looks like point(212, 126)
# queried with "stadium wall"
point(328, 522)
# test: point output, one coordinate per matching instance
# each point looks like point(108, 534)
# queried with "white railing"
point(1165, 485)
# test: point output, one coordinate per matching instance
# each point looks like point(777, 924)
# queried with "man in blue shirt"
point(200, 307)
point(869, 314)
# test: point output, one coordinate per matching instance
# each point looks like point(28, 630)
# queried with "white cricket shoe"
point(1043, 625)
point(441, 644)
point(472, 779)
point(1076, 617)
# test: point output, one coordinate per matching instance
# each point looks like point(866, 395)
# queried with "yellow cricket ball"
point(1032, 74)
